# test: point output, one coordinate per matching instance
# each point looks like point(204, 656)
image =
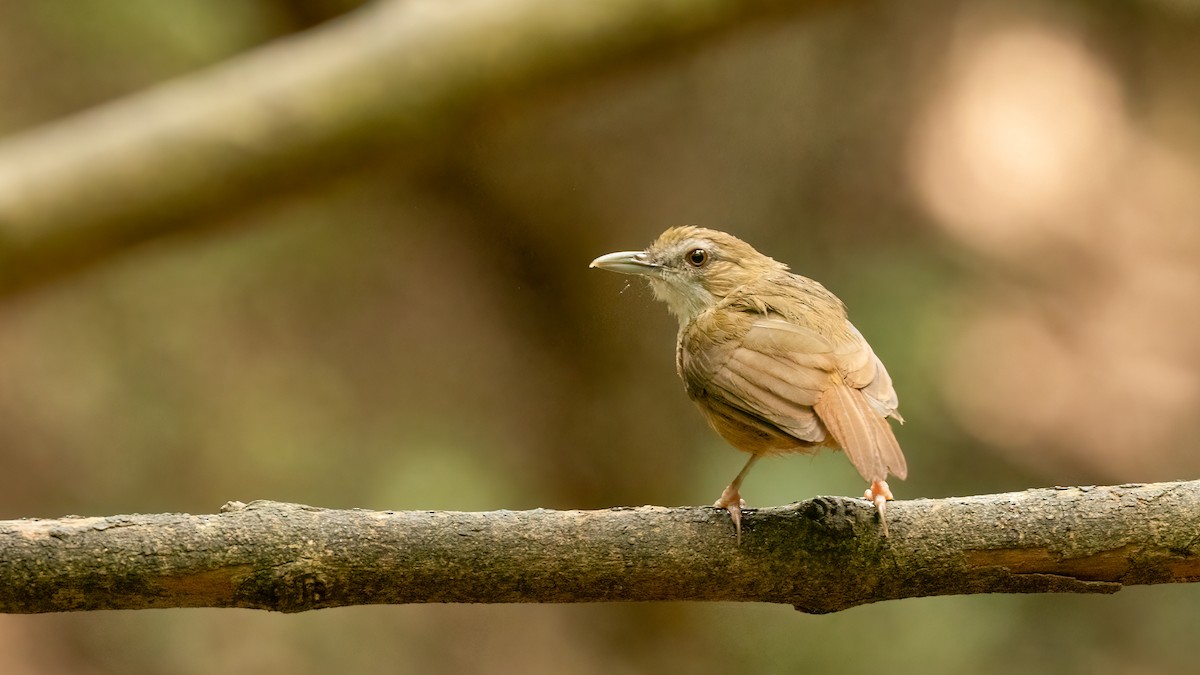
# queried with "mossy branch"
point(821, 555)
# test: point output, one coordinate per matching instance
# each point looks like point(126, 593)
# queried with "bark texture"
point(390, 78)
point(822, 555)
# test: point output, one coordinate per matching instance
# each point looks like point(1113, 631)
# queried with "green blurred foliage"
point(430, 337)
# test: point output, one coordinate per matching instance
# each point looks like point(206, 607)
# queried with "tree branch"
point(822, 555)
point(392, 75)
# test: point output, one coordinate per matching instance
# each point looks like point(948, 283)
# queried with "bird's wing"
point(864, 371)
point(810, 385)
point(772, 393)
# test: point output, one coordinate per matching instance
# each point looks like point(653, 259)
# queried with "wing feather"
point(791, 380)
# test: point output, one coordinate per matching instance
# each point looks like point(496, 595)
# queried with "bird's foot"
point(879, 494)
point(732, 502)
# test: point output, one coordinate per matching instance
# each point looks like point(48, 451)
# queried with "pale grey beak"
point(627, 262)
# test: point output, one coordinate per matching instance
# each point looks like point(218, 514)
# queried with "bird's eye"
point(697, 257)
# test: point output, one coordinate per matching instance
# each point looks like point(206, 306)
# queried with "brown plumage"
point(770, 357)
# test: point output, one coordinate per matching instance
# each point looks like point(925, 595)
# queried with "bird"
point(770, 358)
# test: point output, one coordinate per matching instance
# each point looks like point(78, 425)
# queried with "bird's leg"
point(731, 499)
point(879, 494)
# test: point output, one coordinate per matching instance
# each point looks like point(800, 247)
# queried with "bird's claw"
point(879, 493)
point(732, 502)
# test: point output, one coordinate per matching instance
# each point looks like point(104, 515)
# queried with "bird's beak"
point(628, 262)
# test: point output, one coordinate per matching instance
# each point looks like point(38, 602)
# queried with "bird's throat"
point(685, 300)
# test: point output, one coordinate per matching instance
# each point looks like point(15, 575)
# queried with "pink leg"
point(879, 494)
point(731, 499)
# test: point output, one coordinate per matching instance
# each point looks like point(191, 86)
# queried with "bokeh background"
point(1007, 196)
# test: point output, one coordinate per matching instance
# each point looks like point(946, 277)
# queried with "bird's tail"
point(862, 432)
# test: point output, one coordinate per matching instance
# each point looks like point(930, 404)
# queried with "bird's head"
point(692, 268)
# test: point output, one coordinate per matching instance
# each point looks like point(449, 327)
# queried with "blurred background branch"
point(822, 555)
point(395, 76)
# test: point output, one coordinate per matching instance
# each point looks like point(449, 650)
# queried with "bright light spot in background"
point(1026, 126)
point(1085, 354)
